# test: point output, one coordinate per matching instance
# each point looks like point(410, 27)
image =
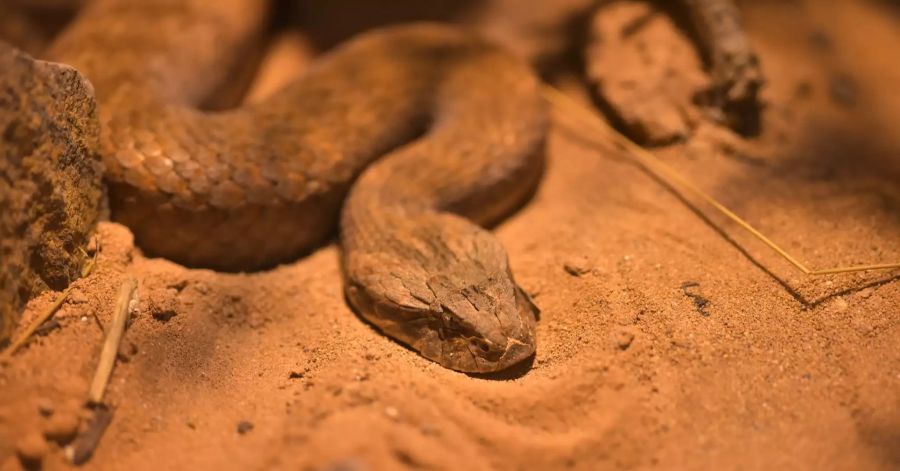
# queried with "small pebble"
point(839, 305)
point(31, 449)
point(391, 412)
point(45, 407)
point(163, 304)
point(578, 266)
point(624, 339)
point(244, 427)
point(178, 285)
point(62, 427)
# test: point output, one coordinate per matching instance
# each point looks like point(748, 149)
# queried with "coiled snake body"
point(429, 124)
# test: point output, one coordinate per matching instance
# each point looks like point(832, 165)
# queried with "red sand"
point(777, 371)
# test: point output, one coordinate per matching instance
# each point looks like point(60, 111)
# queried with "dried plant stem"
point(656, 166)
point(114, 336)
point(35, 324)
point(84, 445)
point(47, 314)
point(82, 448)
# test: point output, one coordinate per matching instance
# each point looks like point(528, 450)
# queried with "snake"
point(411, 140)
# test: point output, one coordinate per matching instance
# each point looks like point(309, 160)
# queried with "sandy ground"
point(751, 365)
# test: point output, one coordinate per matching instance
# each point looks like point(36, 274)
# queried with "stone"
point(50, 178)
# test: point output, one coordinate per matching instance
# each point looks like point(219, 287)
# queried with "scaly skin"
point(261, 184)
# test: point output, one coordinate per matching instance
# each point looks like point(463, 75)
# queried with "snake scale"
point(409, 139)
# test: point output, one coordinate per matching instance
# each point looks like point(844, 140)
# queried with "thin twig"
point(84, 445)
point(113, 339)
point(81, 450)
point(47, 314)
point(653, 164)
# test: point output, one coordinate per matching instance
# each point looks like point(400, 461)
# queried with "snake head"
point(484, 321)
point(453, 299)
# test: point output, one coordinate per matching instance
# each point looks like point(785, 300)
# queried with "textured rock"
point(645, 71)
point(50, 178)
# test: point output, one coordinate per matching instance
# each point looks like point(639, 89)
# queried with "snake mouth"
point(483, 356)
point(520, 345)
point(516, 351)
point(468, 356)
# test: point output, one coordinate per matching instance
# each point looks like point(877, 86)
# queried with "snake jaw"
point(520, 340)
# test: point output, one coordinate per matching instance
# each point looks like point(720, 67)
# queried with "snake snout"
point(504, 338)
point(499, 356)
point(519, 340)
point(487, 350)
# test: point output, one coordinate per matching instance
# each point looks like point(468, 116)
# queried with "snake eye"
point(480, 344)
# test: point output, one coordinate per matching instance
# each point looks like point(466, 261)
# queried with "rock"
point(62, 427)
point(644, 70)
point(244, 427)
point(50, 178)
point(179, 285)
point(578, 265)
point(623, 339)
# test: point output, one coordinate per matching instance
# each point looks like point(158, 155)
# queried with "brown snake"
point(437, 131)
